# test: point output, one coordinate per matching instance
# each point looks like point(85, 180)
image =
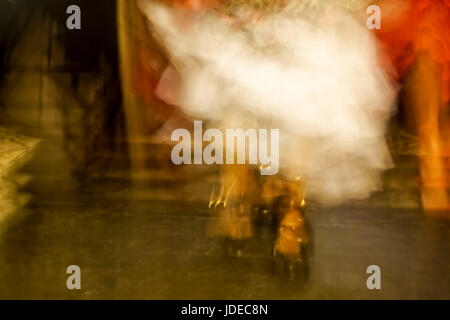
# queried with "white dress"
point(311, 71)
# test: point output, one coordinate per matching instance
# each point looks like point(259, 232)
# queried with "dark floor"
point(155, 247)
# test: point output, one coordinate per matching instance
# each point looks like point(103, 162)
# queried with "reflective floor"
point(148, 242)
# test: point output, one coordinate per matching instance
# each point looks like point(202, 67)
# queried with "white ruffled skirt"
point(311, 72)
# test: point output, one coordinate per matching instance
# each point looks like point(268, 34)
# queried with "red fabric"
point(424, 26)
point(194, 4)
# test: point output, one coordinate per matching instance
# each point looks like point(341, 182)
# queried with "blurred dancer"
point(416, 36)
point(292, 65)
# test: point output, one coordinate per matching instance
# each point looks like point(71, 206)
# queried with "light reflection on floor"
point(131, 248)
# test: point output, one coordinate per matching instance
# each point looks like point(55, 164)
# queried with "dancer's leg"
point(233, 200)
point(422, 88)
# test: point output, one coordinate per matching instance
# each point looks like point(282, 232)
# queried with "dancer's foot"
point(289, 250)
point(233, 223)
point(290, 235)
point(434, 190)
point(435, 199)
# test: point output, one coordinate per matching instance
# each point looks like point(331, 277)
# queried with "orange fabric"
point(424, 26)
